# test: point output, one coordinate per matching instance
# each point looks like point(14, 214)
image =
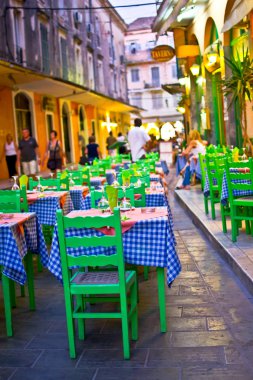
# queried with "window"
point(133, 48)
point(44, 49)
point(91, 83)
point(19, 36)
point(135, 75)
point(137, 100)
point(151, 44)
point(79, 67)
point(157, 100)
point(23, 114)
point(174, 71)
point(100, 76)
point(64, 58)
point(98, 32)
point(155, 75)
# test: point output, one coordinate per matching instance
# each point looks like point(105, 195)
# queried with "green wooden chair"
point(10, 201)
point(140, 190)
point(53, 183)
point(144, 179)
point(241, 207)
point(212, 174)
point(202, 164)
point(219, 162)
point(86, 286)
point(96, 195)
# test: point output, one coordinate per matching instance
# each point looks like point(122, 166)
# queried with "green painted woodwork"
point(240, 207)
point(85, 292)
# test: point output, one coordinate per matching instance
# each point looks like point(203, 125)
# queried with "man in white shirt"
point(137, 139)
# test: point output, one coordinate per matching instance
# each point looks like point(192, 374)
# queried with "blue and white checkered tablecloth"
point(207, 185)
point(14, 245)
point(236, 193)
point(155, 200)
point(148, 242)
point(154, 177)
point(96, 181)
point(45, 208)
point(77, 199)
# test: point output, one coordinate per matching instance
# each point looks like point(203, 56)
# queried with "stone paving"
point(210, 327)
point(239, 255)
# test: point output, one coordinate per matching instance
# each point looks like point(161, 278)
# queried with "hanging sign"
point(162, 53)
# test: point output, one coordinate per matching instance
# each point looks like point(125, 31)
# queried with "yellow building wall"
point(7, 125)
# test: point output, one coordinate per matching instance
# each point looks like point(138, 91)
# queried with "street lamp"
point(195, 69)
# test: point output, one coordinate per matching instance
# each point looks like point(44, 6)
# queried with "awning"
point(173, 88)
point(162, 25)
point(240, 9)
point(18, 78)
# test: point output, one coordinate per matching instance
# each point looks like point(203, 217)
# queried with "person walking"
point(137, 138)
point(10, 152)
point(53, 153)
point(121, 138)
point(28, 153)
point(92, 149)
point(109, 141)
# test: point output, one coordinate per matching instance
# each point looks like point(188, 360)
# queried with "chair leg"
point(39, 265)
point(134, 319)
point(22, 291)
point(206, 205)
point(146, 270)
point(7, 304)
point(213, 209)
point(161, 298)
point(30, 280)
point(80, 321)
point(223, 219)
point(12, 293)
point(234, 226)
point(70, 325)
point(124, 320)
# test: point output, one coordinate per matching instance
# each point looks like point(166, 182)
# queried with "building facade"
point(62, 67)
point(206, 32)
point(145, 76)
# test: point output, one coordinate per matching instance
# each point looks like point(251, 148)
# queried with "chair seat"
point(243, 200)
point(99, 278)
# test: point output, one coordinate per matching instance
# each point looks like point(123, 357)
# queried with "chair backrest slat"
point(10, 201)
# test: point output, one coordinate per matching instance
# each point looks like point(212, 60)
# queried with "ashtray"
point(148, 210)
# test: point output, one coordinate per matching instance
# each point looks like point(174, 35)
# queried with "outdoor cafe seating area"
point(91, 227)
point(227, 184)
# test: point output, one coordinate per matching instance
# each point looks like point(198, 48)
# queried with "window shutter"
point(44, 49)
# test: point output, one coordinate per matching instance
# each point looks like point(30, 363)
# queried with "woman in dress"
point(53, 153)
point(10, 152)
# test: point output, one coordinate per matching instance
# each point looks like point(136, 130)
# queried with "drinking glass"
point(103, 203)
point(15, 185)
point(244, 156)
point(125, 204)
point(39, 186)
point(71, 181)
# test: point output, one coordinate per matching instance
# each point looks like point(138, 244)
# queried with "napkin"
point(23, 181)
point(126, 175)
point(112, 194)
point(64, 175)
point(235, 154)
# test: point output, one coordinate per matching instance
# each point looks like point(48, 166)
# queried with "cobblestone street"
point(210, 327)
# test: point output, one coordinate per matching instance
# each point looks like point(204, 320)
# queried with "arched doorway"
point(23, 114)
point(66, 132)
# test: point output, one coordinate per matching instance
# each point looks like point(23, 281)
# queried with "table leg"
point(7, 304)
point(30, 280)
point(161, 298)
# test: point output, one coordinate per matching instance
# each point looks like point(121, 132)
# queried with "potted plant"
point(239, 84)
